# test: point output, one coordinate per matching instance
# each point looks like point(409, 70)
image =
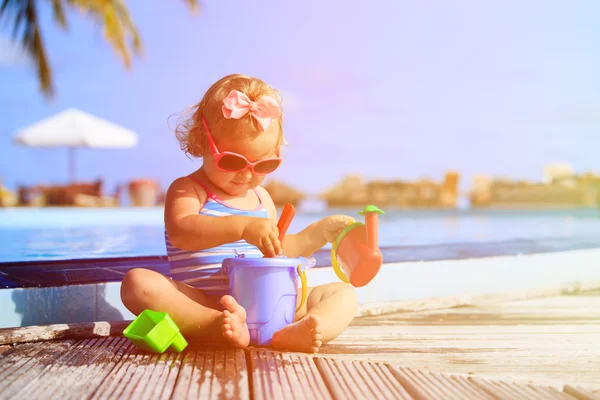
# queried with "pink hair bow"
point(264, 110)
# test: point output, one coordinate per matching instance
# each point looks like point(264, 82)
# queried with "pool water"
point(73, 233)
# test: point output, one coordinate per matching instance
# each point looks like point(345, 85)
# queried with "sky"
point(388, 89)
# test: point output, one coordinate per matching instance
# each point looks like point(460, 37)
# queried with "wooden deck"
point(552, 340)
point(546, 348)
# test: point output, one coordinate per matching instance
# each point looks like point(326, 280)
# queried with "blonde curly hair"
point(190, 131)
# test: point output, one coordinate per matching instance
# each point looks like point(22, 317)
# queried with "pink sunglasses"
point(233, 162)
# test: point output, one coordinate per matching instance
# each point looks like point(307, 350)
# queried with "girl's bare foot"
point(235, 329)
point(303, 335)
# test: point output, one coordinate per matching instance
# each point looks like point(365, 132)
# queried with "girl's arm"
point(302, 244)
point(187, 229)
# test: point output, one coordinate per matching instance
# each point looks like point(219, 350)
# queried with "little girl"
point(237, 130)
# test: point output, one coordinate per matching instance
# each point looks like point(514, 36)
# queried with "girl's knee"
point(351, 295)
point(138, 285)
point(341, 287)
point(347, 295)
point(134, 278)
point(338, 289)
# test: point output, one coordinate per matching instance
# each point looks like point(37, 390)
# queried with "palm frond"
point(5, 4)
point(26, 26)
point(194, 5)
point(58, 12)
point(112, 15)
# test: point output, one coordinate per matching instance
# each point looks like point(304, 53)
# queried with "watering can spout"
point(371, 214)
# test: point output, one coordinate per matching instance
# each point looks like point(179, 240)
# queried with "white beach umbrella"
point(73, 129)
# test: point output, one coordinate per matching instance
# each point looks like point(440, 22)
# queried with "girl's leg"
point(328, 310)
point(196, 314)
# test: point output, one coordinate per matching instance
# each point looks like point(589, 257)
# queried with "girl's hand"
point(332, 225)
point(263, 233)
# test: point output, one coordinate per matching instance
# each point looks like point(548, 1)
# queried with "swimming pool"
point(65, 265)
point(30, 234)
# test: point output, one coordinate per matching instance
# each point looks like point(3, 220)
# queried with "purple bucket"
point(267, 289)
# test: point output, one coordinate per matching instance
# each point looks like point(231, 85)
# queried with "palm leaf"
point(26, 29)
point(193, 5)
point(58, 12)
point(113, 15)
point(118, 27)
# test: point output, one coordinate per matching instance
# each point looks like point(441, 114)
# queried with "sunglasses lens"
point(232, 163)
point(267, 166)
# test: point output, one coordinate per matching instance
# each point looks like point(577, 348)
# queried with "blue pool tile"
point(65, 304)
point(11, 314)
point(56, 305)
point(109, 306)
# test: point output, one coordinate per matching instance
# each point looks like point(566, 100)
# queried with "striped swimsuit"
point(202, 269)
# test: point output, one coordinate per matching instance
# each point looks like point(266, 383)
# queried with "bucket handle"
point(301, 270)
point(302, 275)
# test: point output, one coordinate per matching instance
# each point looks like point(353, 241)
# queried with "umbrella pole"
point(71, 164)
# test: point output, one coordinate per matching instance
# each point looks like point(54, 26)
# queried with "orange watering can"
point(355, 254)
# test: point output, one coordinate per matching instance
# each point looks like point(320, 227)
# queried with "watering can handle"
point(336, 265)
point(334, 261)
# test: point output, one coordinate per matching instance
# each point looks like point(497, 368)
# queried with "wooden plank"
point(285, 376)
point(381, 379)
point(551, 341)
point(515, 390)
point(151, 378)
point(342, 388)
point(77, 373)
point(551, 393)
point(218, 374)
point(18, 355)
point(120, 374)
point(4, 348)
point(84, 330)
point(35, 361)
point(159, 380)
point(58, 369)
point(235, 376)
point(111, 367)
point(134, 385)
point(307, 373)
point(186, 372)
point(132, 369)
point(90, 378)
point(499, 391)
point(422, 385)
point(81, 375)
point(461, 388)
point(467, 386)
point(581, 393)
point(360, 380)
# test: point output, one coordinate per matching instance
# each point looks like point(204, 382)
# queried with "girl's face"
point(263, 146)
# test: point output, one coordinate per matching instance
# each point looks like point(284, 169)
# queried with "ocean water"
point(72, 233)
